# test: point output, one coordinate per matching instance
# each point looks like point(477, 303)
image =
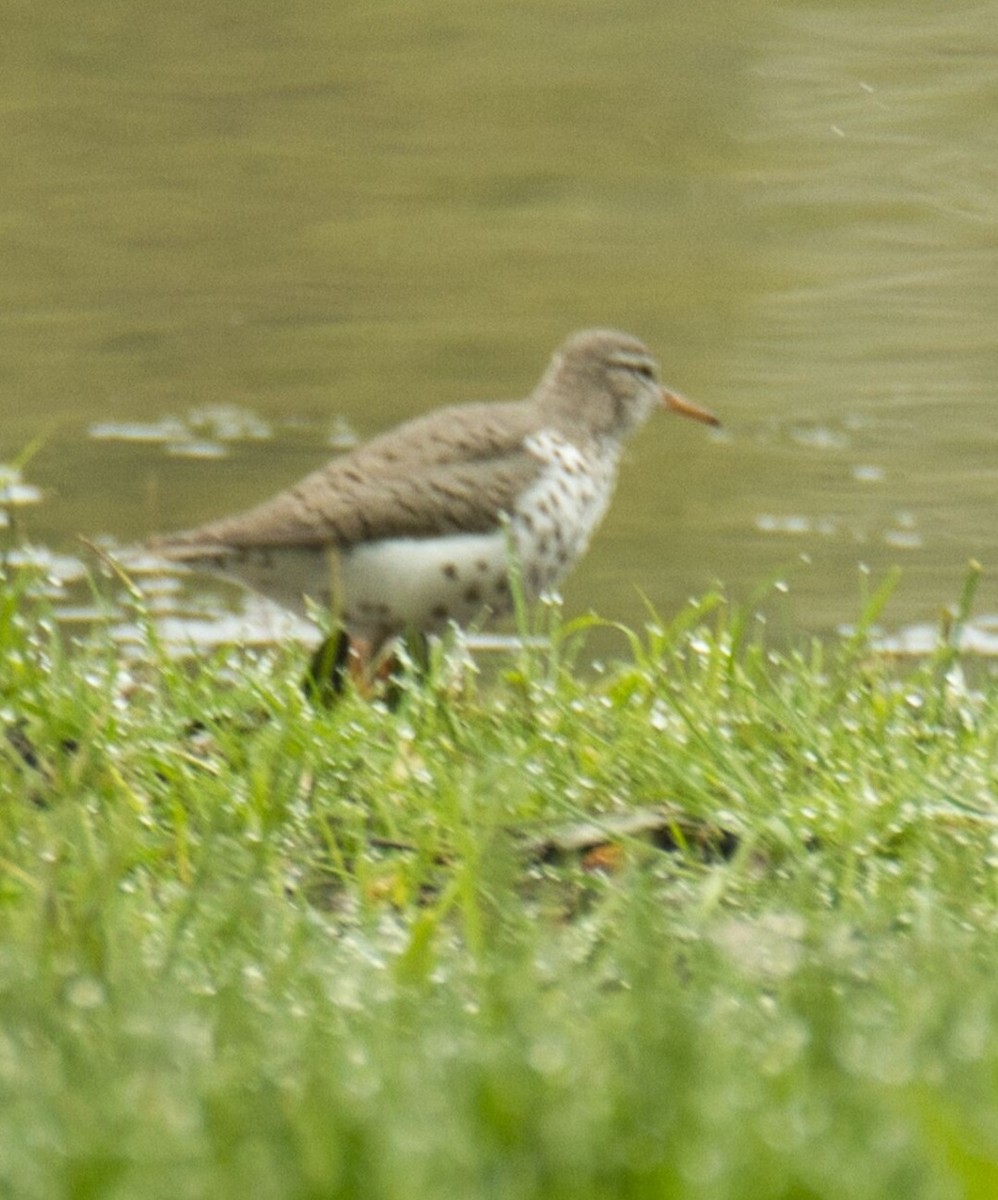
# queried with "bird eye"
point(635, 364)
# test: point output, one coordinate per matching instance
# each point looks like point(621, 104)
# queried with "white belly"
point(425, 583)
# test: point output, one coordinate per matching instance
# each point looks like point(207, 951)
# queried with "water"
point(236, 235)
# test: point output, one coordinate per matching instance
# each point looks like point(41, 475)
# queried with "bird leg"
point(341, 658)
point(391, 669)
point(335, 660)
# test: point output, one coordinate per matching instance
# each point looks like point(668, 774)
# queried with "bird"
point(439, 520)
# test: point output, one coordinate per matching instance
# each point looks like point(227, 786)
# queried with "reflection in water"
point(203, 433)
point(132, 590)
point(796, 524)
point(14, 492)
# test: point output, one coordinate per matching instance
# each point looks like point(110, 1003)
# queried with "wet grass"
point(253, 947)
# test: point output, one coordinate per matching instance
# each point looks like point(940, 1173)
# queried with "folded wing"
point(455, 470)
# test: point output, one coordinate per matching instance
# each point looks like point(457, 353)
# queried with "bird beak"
point(686, 408)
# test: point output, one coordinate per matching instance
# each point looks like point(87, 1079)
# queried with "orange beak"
point(686, 408)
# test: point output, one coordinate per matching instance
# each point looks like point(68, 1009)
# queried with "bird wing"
point(455, 470)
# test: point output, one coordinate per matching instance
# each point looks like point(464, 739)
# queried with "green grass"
point(249, 947)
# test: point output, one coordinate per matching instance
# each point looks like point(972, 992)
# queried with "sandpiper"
point(420, 526)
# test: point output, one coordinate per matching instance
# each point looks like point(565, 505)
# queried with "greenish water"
point(354, 212)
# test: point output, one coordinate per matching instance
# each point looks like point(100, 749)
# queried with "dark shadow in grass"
point(29, 756)
point(594, 840)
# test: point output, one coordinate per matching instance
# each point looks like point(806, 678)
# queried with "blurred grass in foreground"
point(254, 948)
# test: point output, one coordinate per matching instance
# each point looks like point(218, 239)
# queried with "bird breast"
point(557, 515)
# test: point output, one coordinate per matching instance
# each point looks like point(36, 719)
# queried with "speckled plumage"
point(414, 528)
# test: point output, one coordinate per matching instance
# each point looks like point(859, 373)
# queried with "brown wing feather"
point(454, 470)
